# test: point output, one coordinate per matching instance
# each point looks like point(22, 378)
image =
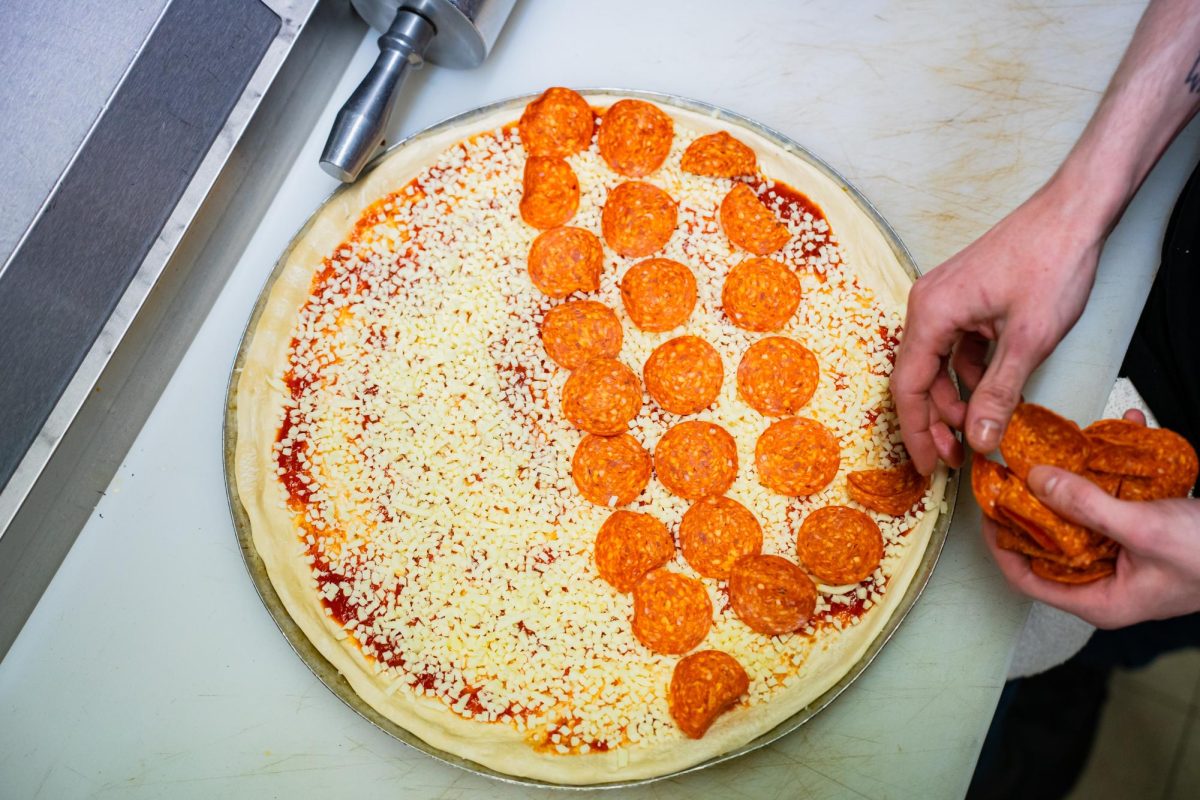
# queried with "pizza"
point(565, 435)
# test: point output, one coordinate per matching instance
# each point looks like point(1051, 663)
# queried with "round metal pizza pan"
point(329, 675)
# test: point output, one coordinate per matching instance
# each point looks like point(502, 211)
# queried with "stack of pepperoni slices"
point(1127, 460)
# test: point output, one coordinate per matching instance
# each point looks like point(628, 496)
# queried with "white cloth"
point(1048, 639)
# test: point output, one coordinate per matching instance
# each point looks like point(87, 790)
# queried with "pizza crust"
point(261, 396)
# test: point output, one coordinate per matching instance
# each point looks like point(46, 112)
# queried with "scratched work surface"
point(151, 669)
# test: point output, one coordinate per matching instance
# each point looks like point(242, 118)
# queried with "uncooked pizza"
point(565, 435)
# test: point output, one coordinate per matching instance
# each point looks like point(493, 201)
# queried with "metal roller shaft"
point(358, 129)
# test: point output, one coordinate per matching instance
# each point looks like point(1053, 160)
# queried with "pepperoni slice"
point(987, 479)
point(659, 294)
point(1121, 447)
point(771, 594)
point(703, 686)
point(1024, 527)
point(671, 612)
point(629, 545)
point(1015, 541)
point(578, 331)
point(1018, 542)
point(1121, 459)
point(638, 219)
point(749, 224)
point(891, 491)
point(635, 137)
point(684, 374)
point(602, 397)
point(550, 192)
point(718, 155)
point(1135, 488)
point(839, 545)
point(1019, 508)
point(610, 470)
point(797, 457)
point(715, 532)
point(1107, 481)
point(1117, 447)
point(1116, 431)
point(777, 376)
point(695, 459)
point(1052, 571)
point(565, 260)
point(760, 294)
point(1100, 547)
point(1036, 435)
point(558, 123)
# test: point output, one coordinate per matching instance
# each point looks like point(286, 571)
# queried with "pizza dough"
point(494, 500)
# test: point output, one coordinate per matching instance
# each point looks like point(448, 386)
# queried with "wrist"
point(1088, 196)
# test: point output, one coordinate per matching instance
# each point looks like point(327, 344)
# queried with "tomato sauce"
point(299, 492)
point(795, 204)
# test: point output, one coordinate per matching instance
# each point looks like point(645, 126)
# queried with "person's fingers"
point(1135, 416)
point(1085, 503)
point(1018, 353)
point(918, 362)
point(949, 449)
point(970, 359)
point(950, 407)
point(914, 415)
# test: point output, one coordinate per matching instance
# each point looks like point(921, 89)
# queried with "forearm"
point(1153, 94)
point(1000, 306)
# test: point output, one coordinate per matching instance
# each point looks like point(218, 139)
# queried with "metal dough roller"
point(450, 33)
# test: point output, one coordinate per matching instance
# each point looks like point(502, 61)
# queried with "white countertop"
point(151, 669)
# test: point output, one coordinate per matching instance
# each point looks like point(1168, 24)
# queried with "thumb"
point(999, 391)
point(1083, 502)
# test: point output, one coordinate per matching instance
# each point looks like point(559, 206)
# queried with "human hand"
point(1158, 567)
point(1022, 285)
